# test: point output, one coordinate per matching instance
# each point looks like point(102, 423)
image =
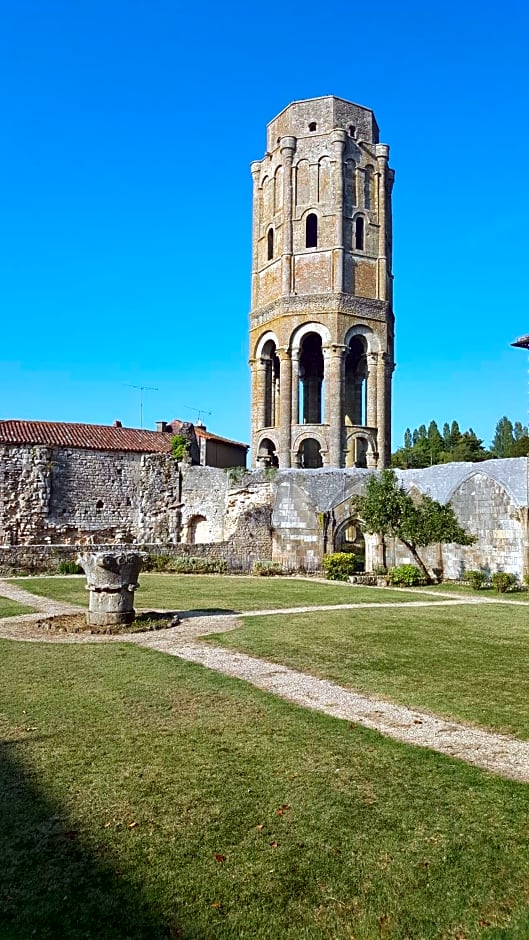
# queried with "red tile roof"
point(207, 435)
point(95, 436)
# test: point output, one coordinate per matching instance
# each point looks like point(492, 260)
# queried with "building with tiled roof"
point(214, 451)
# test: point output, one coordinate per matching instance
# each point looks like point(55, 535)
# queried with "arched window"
point(270, 239)
point(270, 360)
point(311, 377)
point(312, 126)
point(359, 233)
point(309, 454)
point(355, 376)
point(311, 231)
point(352, 130)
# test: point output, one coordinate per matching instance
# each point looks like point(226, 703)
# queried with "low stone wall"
point(45, 559)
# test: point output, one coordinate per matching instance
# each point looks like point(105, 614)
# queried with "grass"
point(221, 592)
point(488, 593)
point(9, 608)
point(145, 797)
point(468, 663)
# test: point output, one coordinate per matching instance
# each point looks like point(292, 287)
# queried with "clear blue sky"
point(128, 128)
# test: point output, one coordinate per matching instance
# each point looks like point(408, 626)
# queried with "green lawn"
point(146, 798)
point(206, 592)
point(470, 663)
point(452, 587)
point(9, 608)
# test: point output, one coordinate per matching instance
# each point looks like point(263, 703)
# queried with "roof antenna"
point(142, 389)
point(199, 411)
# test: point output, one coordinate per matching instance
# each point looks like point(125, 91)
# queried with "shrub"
point(339, 566)
point(70, 567)
point(183, 564)
point(180, 447)
point(267, 569)
point(406, 576)
point(504, 581)
point(476, 579)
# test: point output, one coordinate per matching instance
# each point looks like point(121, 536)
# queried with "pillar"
point(371, 417)
point(382, 154)
point(334, 393)
point(285, 407)
point(383, 410)
point(338, 140)
point(288, 148)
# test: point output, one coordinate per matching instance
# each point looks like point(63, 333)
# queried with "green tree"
point(388, 511)
point(503, 438)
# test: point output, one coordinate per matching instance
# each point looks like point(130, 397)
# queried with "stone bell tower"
point(321, 323)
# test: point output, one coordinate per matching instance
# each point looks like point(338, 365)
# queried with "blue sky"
point(128, 128)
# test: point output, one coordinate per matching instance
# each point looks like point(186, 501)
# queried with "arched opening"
point(309, 454)
point(350, 538)
point(271, 384)
point(352, 130)
point(198, 531)
point(311, 231)
point(356, 383)
point(270, 244)
point(311, 372)
point(359, 233)
point(312, 126)
point(266, 455)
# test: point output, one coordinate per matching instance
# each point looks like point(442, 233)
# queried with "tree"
point(503, 438)
point(386, 509)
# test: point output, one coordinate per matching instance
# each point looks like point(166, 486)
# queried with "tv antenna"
point(142, 389)
point(199, 411)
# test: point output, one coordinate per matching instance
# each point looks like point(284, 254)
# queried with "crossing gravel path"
point(499, 754)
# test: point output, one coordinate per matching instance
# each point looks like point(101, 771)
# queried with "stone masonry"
point(321, 323)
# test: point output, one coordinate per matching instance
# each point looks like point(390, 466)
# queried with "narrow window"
point(359, 233)
point(312, 126)
point(270, 243)
point(311, 231)
point(352, 130)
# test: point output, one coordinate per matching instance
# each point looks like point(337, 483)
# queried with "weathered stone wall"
point(54, 499)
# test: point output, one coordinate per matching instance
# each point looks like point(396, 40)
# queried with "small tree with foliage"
point(387, 510)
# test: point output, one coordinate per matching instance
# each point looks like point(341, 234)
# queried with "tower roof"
point(327, 113)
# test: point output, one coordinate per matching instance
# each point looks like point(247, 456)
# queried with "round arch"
point(263, 340)
point(313, 327)
point(367, 334)
point(266, 455)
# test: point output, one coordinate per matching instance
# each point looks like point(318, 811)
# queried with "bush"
point(267, 569)
point(476, 579)
point(406, 576)
point(180, 447)
point(70, 567)
point(182, 564)
point(504, 581)
point(339, 566)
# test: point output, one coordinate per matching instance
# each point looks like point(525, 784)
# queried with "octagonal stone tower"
point(321, 323)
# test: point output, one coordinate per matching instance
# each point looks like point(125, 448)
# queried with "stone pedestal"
point(111, 580)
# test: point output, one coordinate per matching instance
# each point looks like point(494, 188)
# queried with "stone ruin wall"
point(54, 501)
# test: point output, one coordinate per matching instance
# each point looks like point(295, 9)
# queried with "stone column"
point(111, 581)
point(258, 367)
point(334, 392)
point(371, 417)
point(285, 407)
point(288, 148)
point(338, 140)
point(382, 154)
point(384, 370)
point(295, 386)
point(255, 168)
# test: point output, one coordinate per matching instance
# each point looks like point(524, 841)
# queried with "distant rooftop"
point(96, 436)
point(522, 341)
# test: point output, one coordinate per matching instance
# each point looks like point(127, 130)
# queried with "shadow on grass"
point(52, 883)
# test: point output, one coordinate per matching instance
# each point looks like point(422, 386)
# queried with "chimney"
point(117, 424)
point(162, 426)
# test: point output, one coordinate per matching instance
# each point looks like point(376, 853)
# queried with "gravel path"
point(499, 754)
